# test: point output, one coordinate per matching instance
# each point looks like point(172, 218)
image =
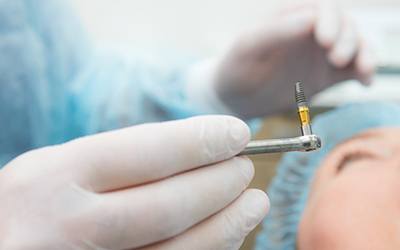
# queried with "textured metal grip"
point(301, 143)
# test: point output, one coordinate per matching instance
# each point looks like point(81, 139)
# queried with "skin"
point(354, 201)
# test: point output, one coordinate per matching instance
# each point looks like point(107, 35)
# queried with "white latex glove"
point(174, 185)
point(315, 43)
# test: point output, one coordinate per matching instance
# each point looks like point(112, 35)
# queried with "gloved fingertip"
point(239, 131)
point(338, 60)
point(324, 40)
point(366, 63)
point(367, 75)
point(363, 79)
point(257, 206)
point(367, 81)
point(247, 168)
point(368, 69)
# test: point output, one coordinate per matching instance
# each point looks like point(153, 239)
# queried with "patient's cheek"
point(319, 228)
point(355, 211)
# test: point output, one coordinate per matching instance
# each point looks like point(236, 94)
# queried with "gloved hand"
point(173, 184)
point(315, 43)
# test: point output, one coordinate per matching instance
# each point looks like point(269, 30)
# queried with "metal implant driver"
point(306, 142)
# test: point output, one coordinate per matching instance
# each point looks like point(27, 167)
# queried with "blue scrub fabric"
point(56, 87)
point(289, 189)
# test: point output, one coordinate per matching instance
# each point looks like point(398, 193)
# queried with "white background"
point(207, 27)
point(197, 25)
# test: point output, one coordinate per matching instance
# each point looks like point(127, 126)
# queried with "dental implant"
point(302, 109)
point(305, 143)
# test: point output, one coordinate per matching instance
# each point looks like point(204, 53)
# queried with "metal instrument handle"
point(301, 143)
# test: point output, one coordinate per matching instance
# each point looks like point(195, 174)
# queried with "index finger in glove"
point(145, 153)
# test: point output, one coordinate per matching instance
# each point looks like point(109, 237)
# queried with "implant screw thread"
point(303, 109)
point(299, 95)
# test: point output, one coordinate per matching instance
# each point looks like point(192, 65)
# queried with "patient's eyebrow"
point(351, 158)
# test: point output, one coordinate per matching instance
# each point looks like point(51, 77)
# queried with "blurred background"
point(205, 28)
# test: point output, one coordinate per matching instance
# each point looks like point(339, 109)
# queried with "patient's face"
point(354, 201)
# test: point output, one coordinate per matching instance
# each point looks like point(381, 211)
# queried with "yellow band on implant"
point(304, 115)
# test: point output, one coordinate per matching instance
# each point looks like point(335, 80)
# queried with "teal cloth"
point(289, 189)
point(55, 87)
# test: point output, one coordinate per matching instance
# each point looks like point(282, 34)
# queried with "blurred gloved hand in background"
point(315, 42)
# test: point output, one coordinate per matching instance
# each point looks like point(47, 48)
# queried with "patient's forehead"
point(387, 135)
